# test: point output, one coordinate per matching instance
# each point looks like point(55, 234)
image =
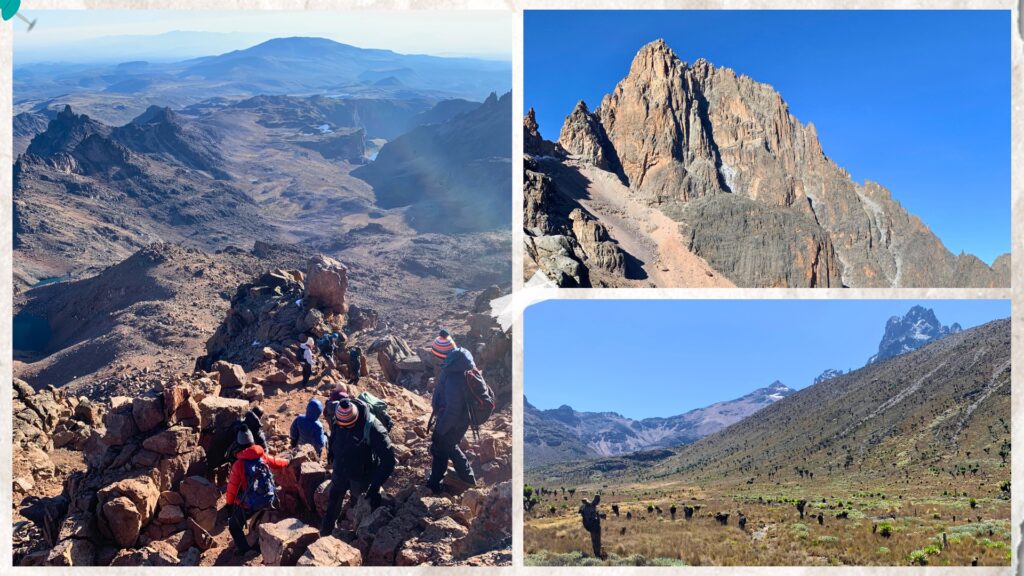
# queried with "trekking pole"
point(430, 423)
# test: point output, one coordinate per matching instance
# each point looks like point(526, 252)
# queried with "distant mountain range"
point(564, 434)
point(295, 66)
point(920, 415)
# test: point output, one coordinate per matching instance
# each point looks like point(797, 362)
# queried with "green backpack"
point(376, 409)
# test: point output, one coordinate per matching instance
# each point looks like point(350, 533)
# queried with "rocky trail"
point(131, 480)
point(653, 239)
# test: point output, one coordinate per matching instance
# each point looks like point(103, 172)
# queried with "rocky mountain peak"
point(828, 374)
point(530, 122)
point(656, 58)
point(156, 115)
point(918, 327)
point(65, 132)
point(583, 136)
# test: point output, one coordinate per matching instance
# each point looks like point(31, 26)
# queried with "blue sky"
point(644, 358)
point(918, 101)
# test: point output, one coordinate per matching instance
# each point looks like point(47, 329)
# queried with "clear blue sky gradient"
point(644, 358)
point(918, 101)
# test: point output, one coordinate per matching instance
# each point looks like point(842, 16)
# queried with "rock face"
point(563, 434)
point(754, 192)
point(916, 328)
point(584, 137)
point(326, 283)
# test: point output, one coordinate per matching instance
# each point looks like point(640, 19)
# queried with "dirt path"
point(645, 233)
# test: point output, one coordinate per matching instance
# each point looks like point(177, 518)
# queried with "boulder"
point(120, 426)
point(198, 492)
point(170, 515)
point(218, 413)
point(330, 551)
point(202, 537)
point(72, 552)
point(231, 375)
point(311, 476)
point(148, 412)
point(492, 523)
point(326, 284)
point(89, 412)
point(123, 520)
point(321, 496)
point(176, 440)
point(142, 491)
point(284, 542)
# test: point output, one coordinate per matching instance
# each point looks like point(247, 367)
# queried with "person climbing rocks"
point(251, 490)
point(592, 523)
point(337, 393)
point(307, 429)
point(226, 446)
point(355, 365)
point(452, 420)
point(363, 458)
point(328, 346)
point(308, 359)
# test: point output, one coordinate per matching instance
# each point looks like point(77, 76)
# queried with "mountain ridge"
point(723, 156)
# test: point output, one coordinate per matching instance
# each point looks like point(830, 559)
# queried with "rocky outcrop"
point(533, 143)
point(759, 198)
point(584, 137)
point(279, 310)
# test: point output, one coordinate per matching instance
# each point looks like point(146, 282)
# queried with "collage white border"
point(517, 6)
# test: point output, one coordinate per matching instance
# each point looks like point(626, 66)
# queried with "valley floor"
point(857, 528)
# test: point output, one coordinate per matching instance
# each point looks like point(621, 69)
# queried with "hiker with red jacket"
point(362, 455)
point(251, 489)
point(452, 420)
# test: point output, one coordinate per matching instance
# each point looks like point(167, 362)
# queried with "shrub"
point(885, 530)
point(883, 550)
point(919, 558)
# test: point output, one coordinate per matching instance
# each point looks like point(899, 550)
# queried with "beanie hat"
point(244, 437)
point(309, 342)
point(444, 332)
point(441, 346)
point(346, 413)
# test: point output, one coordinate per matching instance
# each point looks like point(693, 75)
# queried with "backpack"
point(260, 491)
point(376, 409)
point(480, 399)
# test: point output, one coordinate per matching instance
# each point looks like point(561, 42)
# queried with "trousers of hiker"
point(451, 411)
point(307, 360)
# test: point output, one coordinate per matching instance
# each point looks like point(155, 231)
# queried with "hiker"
point(308, 429)
point(308, 359)
point(328, 346)
point(592, 523)
point(355, 364)
point(225, 444)
point(251, 490)
point(452, 420)
point(363, 458)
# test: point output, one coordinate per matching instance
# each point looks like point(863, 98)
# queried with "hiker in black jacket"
point(592, 523)
point(362, 455)
point(224, 446)
point(452, 414)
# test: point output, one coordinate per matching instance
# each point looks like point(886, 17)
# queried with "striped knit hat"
point(346, 413)
point(442, 345)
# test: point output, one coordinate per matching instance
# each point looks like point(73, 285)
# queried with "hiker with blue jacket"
point(251, 488)
point(451, 420)
point(308, 429)
point(362, 455)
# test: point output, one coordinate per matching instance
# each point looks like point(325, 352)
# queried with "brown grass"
point(775, 535)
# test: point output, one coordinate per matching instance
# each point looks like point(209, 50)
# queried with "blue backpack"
point(260, 491)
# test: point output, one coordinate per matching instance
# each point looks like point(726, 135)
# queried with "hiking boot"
point(435, 487)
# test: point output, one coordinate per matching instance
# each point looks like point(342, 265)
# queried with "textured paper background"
point(36, 9)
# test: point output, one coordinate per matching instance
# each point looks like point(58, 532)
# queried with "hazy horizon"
point(100, 36)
